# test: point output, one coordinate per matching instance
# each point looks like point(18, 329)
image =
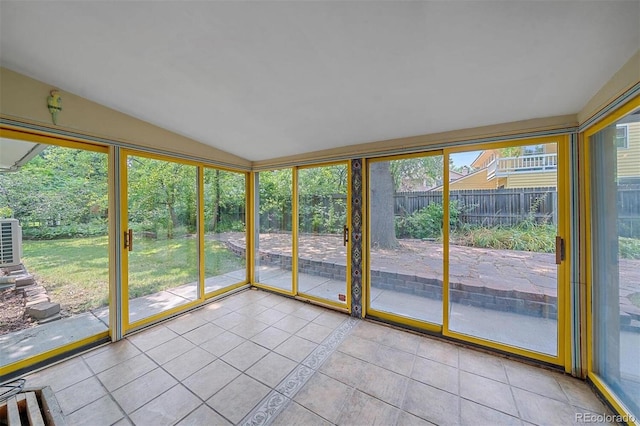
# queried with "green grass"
point(75, 271)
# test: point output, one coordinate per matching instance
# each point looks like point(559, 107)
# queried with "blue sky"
point(464, 158)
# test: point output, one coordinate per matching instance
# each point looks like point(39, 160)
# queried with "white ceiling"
point(268, 79)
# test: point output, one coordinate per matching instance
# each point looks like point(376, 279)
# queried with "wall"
point(24, 99)
point(629, 158)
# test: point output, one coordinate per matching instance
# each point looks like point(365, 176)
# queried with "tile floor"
point(258, 358)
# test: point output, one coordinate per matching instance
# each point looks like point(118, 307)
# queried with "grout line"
point(280, 397)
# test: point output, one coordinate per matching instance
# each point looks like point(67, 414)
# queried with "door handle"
point(345, 235)
point(128, 239)
point(560, 250)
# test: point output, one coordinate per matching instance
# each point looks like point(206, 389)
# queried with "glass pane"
point(405, 201)
point(502, 271)
point(322, 214)
point(274, 223)
point(163, 265)
point(53, 247)
point(615, 206)
point(225, 238)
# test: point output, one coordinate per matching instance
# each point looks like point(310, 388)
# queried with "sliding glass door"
point(506, 246)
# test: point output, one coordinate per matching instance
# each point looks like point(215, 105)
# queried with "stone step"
point(41, 298)
point(43, 310)
point(50, 319)
point(34, 290)
point(25, 280)
point(14, 268)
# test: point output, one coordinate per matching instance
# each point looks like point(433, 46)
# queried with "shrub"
point(427, 222)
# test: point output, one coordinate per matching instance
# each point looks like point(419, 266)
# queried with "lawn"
point(76, 275)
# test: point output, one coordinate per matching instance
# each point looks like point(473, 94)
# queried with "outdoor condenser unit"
point(10, 242)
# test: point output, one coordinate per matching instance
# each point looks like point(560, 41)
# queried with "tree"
point(383, 234)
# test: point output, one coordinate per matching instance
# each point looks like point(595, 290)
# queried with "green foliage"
point(629, 248)
point(526, 236)
point(427, 222)
point(6, 212)
point(92, 229)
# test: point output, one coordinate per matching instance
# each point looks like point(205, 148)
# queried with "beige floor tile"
point(402, 340)
point(101, 412)
point(249, 329)
point(580, 394)
point(370, 331)
point(435, 374)
point(482, 364)
point(166, 409)
point(308, 312)
point(324, 396)
point(126, 371)
point(270, 301)
point(123, 422)
point(358, 347)
point(270, 316)
point(535, 379)
point(443, 352)
point(330, 319)
point(287, 306)
point(239, 397)
point(60, 376)
point(152, 337)
point(539, 410)
point(395, 360)
point(296, 415)
point(362, 409)
point(185, 323)
point(213, 311)
point(345, 368)
point(476, 414)
point(203, 333)
point(270, 337)
point(251, 310)
point(490, 393)
point(429, 403)
point(290, 324)
point(222, 343)
point(406, 419)
point(169, 350)
point(296, 348)
point(245, 355)
point(115, 354)
point(230, 320)
point(271, 369)
point(314, 332)
point(386, 385)
point(211, 379)
point(204, 415)
point(143, 389)
point(188, 363)
point(80, 394)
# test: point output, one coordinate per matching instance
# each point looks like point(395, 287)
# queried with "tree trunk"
point(216, 203)
point(383, 233)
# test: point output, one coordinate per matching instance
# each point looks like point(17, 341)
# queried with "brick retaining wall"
point(537, 305)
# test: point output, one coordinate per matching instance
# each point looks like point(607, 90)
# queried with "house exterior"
point(535, 165)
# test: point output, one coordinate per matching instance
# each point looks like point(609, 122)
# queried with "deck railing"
point(523, 164)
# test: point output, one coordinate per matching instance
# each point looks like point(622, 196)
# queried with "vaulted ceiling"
point(268, 79)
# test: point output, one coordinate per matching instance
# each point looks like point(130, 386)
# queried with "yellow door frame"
point(128, 326)
point(563, 356)
point(294, 238)
point(586, 258)
point(14, 132)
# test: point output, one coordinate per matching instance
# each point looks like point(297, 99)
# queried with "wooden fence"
point(485, 207)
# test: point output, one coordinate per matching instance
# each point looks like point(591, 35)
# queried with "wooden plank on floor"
point(33, 410)
point(13, 415)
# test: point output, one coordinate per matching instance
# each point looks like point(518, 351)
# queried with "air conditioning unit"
point(10, 242)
